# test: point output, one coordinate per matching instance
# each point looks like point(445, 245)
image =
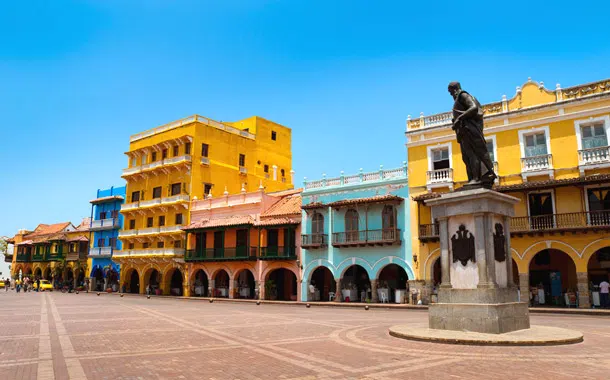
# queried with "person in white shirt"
point(604, 288)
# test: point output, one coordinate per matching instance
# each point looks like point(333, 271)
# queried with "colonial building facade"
point(551, 151)
point(193, 158)
point(356, 237)
point(106, 221)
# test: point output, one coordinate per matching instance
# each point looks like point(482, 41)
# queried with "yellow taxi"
point(1, 284)
point(44, 285)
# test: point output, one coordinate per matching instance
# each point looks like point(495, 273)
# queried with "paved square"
point(69, 336)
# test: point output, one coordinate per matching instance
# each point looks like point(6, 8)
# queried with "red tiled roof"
point(47, 229)
point(237, 220)
point(347, 202)
point(278, 221)
point(286, 192)
point(84, 224)
point(26, 242)
point(537, 185)
point(77, 238)
point(289, 205)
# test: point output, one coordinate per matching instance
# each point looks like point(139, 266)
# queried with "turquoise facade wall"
point(373, 258)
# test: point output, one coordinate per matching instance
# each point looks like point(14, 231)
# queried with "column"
point(374, 295)
point(479, 246)
point(257, 290)
point(524, 287)
point(211, 287)
point(445, 263)
point(509, 255)
point(338, 294)
point(232, 288)
point(584, 302)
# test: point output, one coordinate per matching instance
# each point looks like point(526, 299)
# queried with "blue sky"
point(78, 77)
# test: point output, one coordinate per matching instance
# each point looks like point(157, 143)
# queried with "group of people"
point(26, 284)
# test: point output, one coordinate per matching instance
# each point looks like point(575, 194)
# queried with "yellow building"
point(550, 150)
point(56, 252)
point(189, 159)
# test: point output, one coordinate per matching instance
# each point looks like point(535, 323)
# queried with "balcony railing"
point(39, 257)
point(366, 237)
point(149, 251)
point(343, 180)
point(243, 170)
point(176, 198)
point(148, 231)
point(314, 241)
point(130, 206)
point(428, 232)
point(102, 224)
point(150, 202)
point(221, 254)
point(157, 164)
point(278, 253)
point(166, 229)
point(24, 257)
point(55, 256)
point(73, 256)
point(594, 156)
point(439, 176)
point(127, 233)
point(537, 163)
point(567, 221)
point(100, 251)
point(8, 258)
point(205, 161)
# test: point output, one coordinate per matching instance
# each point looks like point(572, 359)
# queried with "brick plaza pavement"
point(70, 336)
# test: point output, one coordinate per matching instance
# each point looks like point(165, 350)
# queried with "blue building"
point(106, 221)
point(355, 242)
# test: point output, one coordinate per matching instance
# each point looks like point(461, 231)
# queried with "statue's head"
point(454, 89)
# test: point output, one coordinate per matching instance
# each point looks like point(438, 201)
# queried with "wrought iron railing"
point(24, 257)
point(279, 252)
point(314, 240)
point(427, 231)
point(572, 220)
point(389, 235)
point(226, 253)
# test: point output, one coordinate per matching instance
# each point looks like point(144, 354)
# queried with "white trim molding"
point(545, 167)
point(492, 138)
point(594, 158)
point(447, 180)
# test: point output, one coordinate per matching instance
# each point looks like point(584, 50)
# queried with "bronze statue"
point(468, 127)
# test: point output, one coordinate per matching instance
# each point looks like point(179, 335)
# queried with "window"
point(135, 196)
point(351, 225)
point(132, 224)
point(114, 214)
point(144, 159)
point(266, 168)
point(131, 246)
point(103, 215)
point(134, 162)
point(273, 135)
point(112, 242)
point(161, 220)
point(594, 136)
point(317, 224)
point(541, 210)
point(282, 173)
point(388, 219)
point(176, 188)
point(490, 149)
point(160, 244)
point(177, 244)
point(187, 148)
point(153, 157)
point(157, 192)
point(101, 242)
point(175, 150)
point(164, 154)
point(178, 219)
point(207, 188)
point(535, 145)
point(149, 222)
point(145, 245)
point(242, 160)
point(440, 159)
point(204, 150)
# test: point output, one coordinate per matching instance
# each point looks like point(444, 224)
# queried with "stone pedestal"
point(477, 291)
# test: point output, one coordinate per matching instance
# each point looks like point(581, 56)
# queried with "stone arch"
point(128, 277)
point(535, 248)
point(315, 264)
point(220, 275)
point(384, 262)
point(345, 264)
point(199, 285)
point(195, 269)
point(324, 286)
point(541, 267)
point(279, 265)
point(218, 269)
point(244, 283)
point(590, 249)
point(37, 272)
point(429, 263)
point(173, 282)
point(285, 288)
point(145, 280)
point(358, 285)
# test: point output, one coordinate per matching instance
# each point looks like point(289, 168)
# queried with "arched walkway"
point(112, 279)
point(134, 282)
point(552, 275)
point(391, 278)
point(221, 284)
point(324, 285)
point(355, 284)
point(436, 273)
point(175, 282)
point(69, 277)
point(245, 284)
point(200, 284)
point(98, 279)
point(598, 270)
point(281, 285)
point(152, 280)
point(38, 273)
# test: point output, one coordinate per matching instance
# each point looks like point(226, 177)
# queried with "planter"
point(109, 290)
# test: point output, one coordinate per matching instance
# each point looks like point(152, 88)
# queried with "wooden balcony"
point(23, 257)
point(222, 254)
point(278, 253)
point(574, 221)
point(366, 238)
point(428, 232)
point(314, 241)
point(73, 256)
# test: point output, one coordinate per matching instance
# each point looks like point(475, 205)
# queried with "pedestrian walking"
point(604, 288)
point(38, 284)
point(7, 284)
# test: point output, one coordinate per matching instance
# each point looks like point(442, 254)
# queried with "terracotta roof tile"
point(47, 229)
point(77, 238)
point(277, 221)
point(237, 220)
point(84, 224)
point(347, 202)
point(286, 192)
point(290, 205)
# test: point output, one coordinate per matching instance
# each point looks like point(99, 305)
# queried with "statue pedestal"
point(477, 292)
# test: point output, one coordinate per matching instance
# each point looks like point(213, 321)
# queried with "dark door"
point(219, 243)
point(200, 244)
point(272, 242)
point(289, 242)
point(599, 206)
point(541, 210)
point(242, 243)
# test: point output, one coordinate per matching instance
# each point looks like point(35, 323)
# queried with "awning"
point(26, 242)
point(107, 199)
point(239, 220)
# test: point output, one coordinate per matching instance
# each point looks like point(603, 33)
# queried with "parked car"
point(44, 285)
point(1, 284)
